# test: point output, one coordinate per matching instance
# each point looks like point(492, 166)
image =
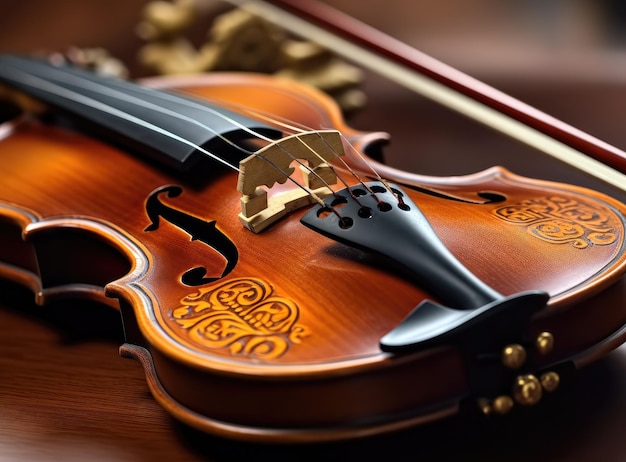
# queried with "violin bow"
point(427, 76)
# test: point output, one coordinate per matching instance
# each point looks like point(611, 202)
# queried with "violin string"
point(71, 95)
point(384, 182)
point(199, 106)
point(113, 93)
point(296, 126)
point(290, 127)
point(355, 151)
point(202, 107)
point(81, 82)
point(108, 91)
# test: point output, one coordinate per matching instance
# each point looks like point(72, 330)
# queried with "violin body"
point(275, 336)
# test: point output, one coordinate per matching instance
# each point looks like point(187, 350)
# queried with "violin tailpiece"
point(385, 221)
point(478, 320)
point(388, 223)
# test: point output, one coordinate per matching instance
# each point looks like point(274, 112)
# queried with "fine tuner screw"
point(550, 381)
point(527, 389)
point(514, 356)
point(544, 343)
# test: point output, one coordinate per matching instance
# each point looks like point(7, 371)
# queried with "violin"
point(279, 284)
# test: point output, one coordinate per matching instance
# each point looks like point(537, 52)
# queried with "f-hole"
point(204, 231)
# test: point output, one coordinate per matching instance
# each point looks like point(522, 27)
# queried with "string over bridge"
point(273, 164)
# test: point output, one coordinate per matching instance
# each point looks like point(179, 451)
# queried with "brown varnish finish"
point(73, 223)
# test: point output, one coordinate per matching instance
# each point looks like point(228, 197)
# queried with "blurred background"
point(481, 36)
point(516, 38)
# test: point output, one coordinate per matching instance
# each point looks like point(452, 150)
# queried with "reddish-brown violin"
point(277, 284)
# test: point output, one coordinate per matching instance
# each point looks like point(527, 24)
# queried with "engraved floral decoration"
point(242, 316)
point(560, 220)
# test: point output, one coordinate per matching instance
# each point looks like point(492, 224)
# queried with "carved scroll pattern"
point(242, 316)
point(562, 220)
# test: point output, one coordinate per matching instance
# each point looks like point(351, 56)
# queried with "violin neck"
point(172, 129)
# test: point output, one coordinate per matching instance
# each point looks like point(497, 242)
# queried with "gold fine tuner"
point(544, 343)
point(527, 391)
point(550, 381)
point(500, 405)
point(514, 355)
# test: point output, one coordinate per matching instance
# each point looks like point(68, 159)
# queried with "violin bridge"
point(259, 173)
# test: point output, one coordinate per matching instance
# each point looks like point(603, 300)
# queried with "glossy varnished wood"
point(63, 202)
point(46, 425)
